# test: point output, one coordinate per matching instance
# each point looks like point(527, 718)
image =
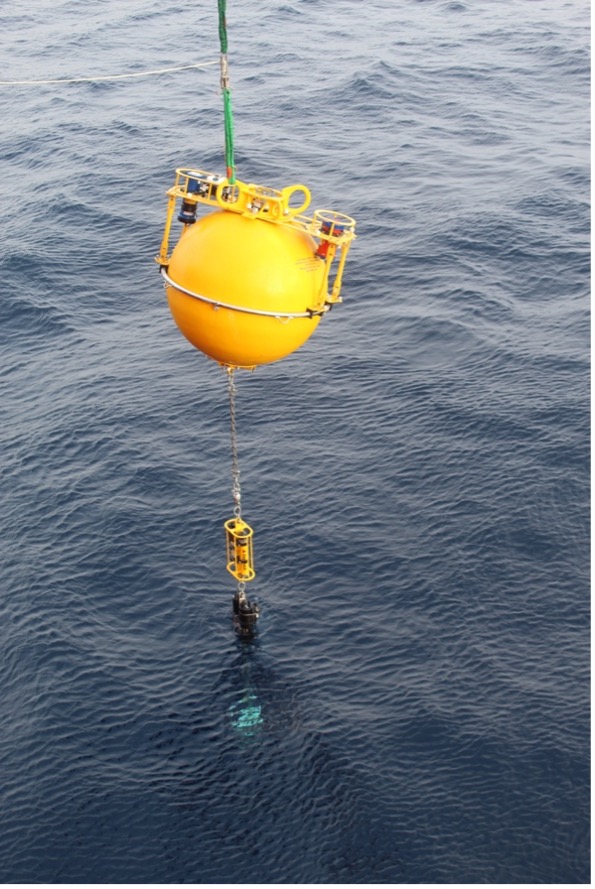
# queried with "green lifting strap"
point(227, 112)
point(222, 26)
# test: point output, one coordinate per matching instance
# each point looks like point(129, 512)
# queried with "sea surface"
point(415, 708)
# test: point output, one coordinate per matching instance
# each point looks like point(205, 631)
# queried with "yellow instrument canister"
point(239, 549)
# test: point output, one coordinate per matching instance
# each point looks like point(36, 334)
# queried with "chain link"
point(236, 491)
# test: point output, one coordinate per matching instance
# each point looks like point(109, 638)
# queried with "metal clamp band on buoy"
point(217, 304)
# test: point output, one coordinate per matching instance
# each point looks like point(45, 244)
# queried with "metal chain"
point(236, 492)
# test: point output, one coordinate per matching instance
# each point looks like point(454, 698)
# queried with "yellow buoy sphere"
point(246, 280)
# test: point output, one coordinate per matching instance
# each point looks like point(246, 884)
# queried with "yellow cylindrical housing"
point(252, 266)
point(239, 549)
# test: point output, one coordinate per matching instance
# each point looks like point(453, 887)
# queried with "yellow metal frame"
point(240, 557)
point(334, 231)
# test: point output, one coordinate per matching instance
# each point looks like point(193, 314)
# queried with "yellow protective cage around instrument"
point(239, 549)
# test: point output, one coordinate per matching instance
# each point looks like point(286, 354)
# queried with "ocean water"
point(415, 708)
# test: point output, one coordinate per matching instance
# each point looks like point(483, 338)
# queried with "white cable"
point(105, 77)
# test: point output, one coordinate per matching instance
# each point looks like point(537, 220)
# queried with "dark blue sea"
point(415, 708)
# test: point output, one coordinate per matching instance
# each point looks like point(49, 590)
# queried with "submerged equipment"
point(247, 284)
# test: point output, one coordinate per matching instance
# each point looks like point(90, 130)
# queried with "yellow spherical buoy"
point(245, 291)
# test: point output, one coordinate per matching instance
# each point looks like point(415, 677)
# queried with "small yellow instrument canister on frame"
point(239, 549)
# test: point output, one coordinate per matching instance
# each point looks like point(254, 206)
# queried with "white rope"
point(105, 77)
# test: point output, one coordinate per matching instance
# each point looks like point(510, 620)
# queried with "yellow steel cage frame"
point(333, 231)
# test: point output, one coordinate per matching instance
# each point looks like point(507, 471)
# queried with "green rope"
point(227, 111)
point(222, 26)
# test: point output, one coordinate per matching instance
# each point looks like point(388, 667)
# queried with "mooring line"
point(106, 76)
